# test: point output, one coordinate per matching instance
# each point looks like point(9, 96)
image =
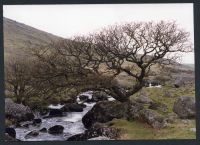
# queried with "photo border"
point(125, 142)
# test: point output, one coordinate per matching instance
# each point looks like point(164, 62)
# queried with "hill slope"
point(16, 36)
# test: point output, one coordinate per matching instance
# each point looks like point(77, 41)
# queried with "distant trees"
point(18, 77)
point(94, 61)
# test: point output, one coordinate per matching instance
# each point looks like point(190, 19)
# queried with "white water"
point(71, 121)
point(157, 86)
point(58, 106)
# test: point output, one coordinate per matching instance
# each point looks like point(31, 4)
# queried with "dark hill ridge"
point(16, 36)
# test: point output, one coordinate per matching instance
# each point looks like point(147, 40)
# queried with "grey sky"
point(69, 20)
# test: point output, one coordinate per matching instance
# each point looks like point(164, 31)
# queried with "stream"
point(71, 121)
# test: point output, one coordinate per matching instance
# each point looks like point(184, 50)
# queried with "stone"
point(184, 107)
point(17, 112)
point(74, 107)
point(95, 131)
point(158, 106)
point(37, 121)
point(99, 96)
point(100, 138)
point(104, 111)
point(33, 133)
point(43, 130)
point(7, 137)
point(11, 132)
point(152, 118)
point(143, 100)
point(83, 98)
point(57, 129)
point(55, 112)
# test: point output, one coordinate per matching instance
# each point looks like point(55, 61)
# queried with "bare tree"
point(106, 53)
point(18, 78)
point(142, 45)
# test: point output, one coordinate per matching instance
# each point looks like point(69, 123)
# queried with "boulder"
point(11, 132)
point(83, 98)
point(158, 106)
point(100, 138)
point(134, 109)
point(33, 133)
point(57, 129)
point(43, 130)
point(55, 112)
point(18, 112)
point(99, 96)
point(73, 107)
point(143, 100)
point(171, 118)
point(104, 111)
point(96, 130)
point(44, 111)
point(7, 137)
point(184, 107)
point(168, 94)
point(37, 121)
point(152, 118)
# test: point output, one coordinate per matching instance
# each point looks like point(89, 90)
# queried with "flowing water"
point(71, 121)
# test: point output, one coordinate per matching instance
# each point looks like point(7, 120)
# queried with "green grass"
point(157, 95)
point(134, 130)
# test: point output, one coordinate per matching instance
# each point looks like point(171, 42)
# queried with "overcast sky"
point(69, 20)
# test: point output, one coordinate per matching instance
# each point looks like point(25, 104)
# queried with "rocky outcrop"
point(143, 100)
point(184, 107)
point(17, 112)
point(158, 106)
point(104, 111)
point(57, 129)
point(96, 131)
point(152, 118)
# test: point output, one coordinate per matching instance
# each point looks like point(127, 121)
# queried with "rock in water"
point(37, 121)
point(99, 96)
point(43, 130)
point(11, 132)
point(103, 112)
point(97, 130)
point(73, 107)
point(100, 138)
point(18, 112)
point(184, 107)
point(33, 133)
point(55, 112)
point(107, 110)
point(7, 137)
point(57, 129)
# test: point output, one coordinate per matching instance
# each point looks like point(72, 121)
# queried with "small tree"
point(18, 78)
